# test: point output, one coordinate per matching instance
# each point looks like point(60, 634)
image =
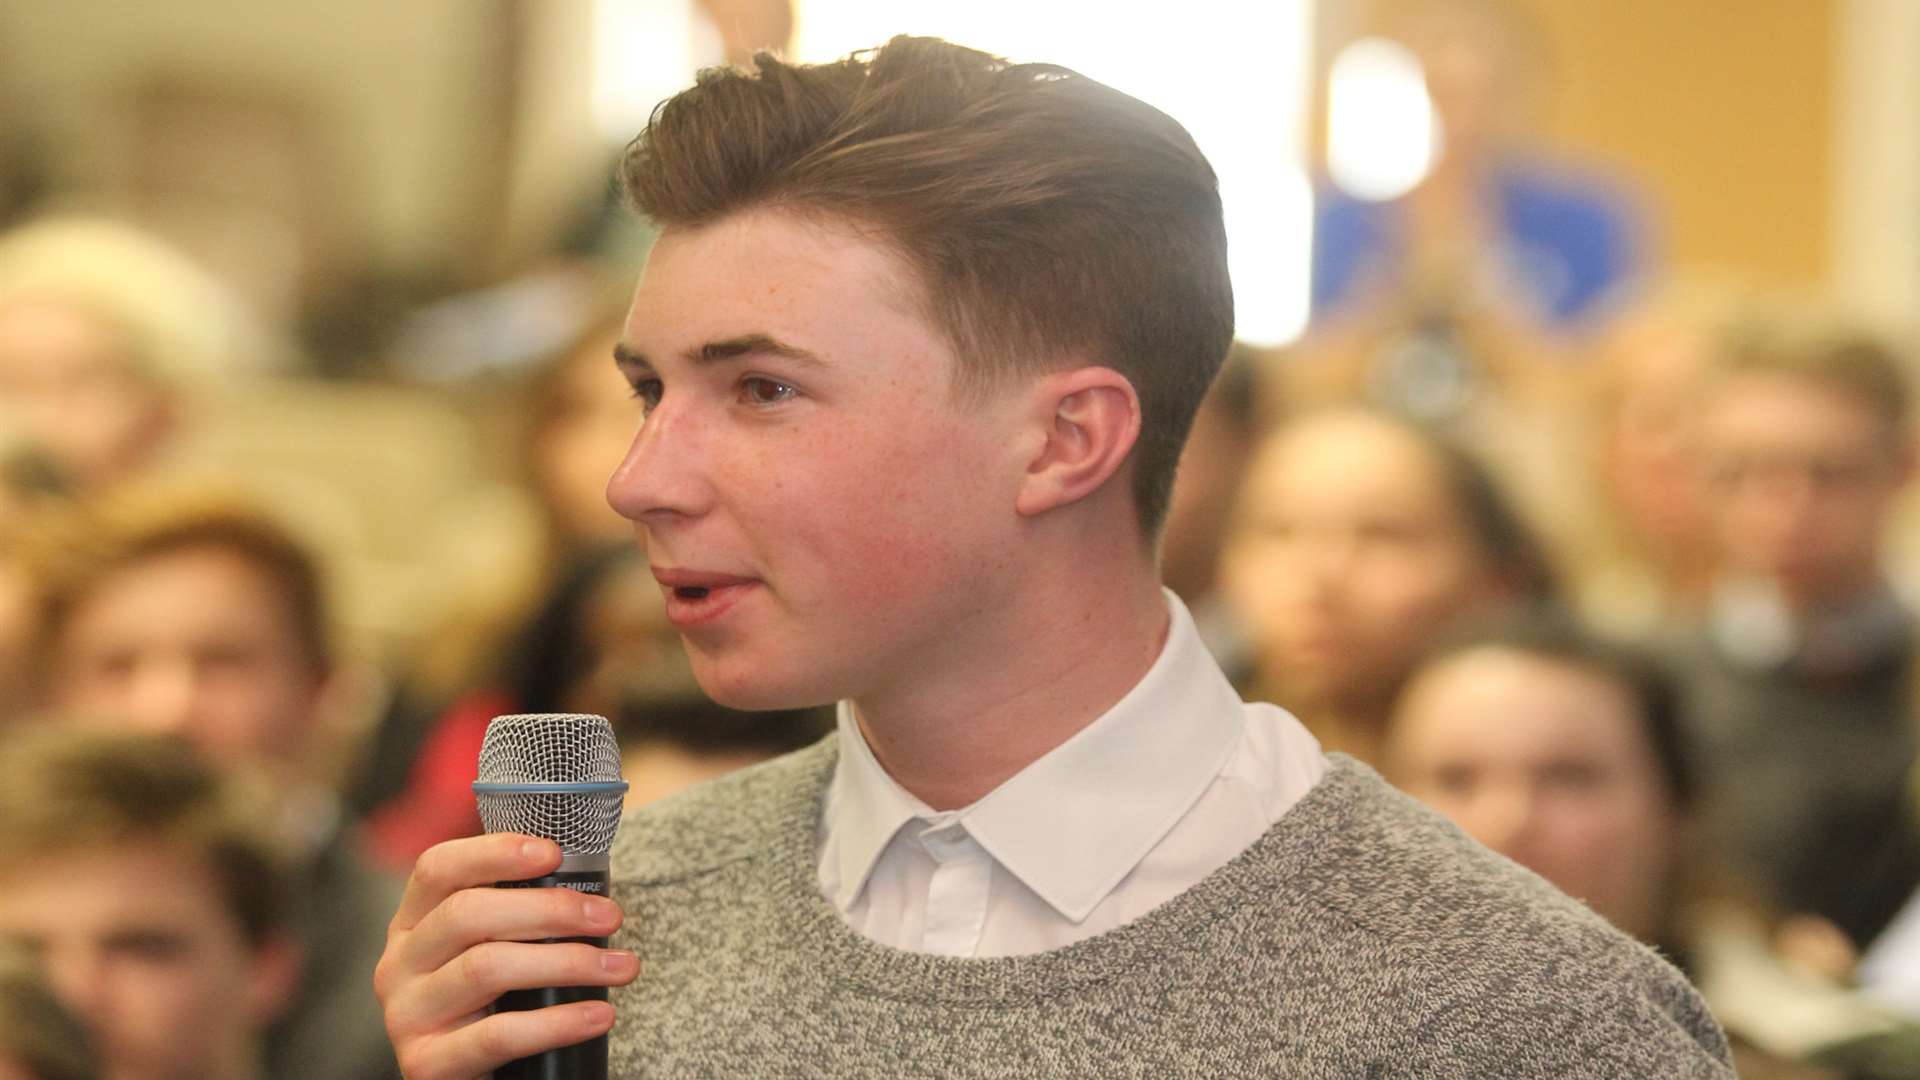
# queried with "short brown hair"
point(73, 787)
point(1805, 342)
point(1045, 213)
point(72, 554)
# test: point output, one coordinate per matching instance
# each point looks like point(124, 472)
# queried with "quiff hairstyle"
point(71, 555)
point(67, 788)
point(1050, 219)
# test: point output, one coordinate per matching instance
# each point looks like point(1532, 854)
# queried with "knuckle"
point(481, 965)
point(492, 1037)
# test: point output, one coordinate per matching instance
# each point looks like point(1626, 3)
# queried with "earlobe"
point(1090, 419)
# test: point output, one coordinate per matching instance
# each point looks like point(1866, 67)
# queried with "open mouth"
point(692, 592)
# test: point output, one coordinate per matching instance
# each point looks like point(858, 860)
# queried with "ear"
point(1088, 420)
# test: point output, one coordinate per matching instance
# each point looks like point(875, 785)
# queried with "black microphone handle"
point(581, 1061)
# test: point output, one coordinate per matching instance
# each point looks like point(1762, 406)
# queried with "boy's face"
point(1800, 481)
point(824, 518)
point(140, 944)
point(68, 381)
point(196, 642)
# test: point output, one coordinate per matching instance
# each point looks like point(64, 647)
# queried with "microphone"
point(555, 776)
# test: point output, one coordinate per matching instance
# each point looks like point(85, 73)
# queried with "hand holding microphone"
point(459, 943)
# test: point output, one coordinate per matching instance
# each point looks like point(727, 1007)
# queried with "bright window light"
point(644, 51)
point(1382, 133)
point(1235, 74)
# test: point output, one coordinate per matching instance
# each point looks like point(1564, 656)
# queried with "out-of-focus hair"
point(1049, 218)
point(68, 787)
point(71, 554)
point(36, 1033)
point(1556, 637)
point(180, 324)
point(1804, 341)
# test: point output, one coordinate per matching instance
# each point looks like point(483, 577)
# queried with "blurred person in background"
point(1560, 752)
point(1646, 554)
point(1498, 229)
point(1798, 674)
point(142, 882)
point(1212, 467)
point(1567, 754)
point(1359, 536)
point(39, 1038)
point(107, 336)
point(196, 615)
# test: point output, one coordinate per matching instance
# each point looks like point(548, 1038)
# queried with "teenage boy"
point(196, 615)
point(917, 351)
point(145, 887)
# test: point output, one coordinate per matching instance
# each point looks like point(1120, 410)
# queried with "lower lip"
point(686, 613)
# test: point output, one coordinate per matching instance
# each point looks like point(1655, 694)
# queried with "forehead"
point(199, 583)
point(1514, 702)
point(815, 282)
point(147, 885)
point(1351, 458)
point(1784, 405)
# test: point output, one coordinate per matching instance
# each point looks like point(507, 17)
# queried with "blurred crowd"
point(1597, 562)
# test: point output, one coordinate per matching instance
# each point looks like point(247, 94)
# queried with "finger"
point(484, 972)
point(448, 867)
point(480, 1047)
point(472, 916)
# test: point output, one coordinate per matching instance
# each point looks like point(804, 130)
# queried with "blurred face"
point(68, 381)
point(1800, 481)
point(589, 424)
point(197, 642)
point(823, 517)
point(1652, 439)
point(1548, 764)
point(140, 945)
point(1348, 552)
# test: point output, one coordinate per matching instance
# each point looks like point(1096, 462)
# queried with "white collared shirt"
point(1160, 791)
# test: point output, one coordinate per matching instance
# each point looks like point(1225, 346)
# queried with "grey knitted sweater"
point(1361, 937)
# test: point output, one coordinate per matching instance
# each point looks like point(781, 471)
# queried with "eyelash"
point(649, 391)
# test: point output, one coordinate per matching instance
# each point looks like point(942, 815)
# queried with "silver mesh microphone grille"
point(546, 750)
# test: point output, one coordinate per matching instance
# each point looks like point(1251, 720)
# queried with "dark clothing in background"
point(335, 1030)
point(1806, 774)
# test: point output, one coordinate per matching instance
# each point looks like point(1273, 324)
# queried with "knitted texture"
point(1361, 936)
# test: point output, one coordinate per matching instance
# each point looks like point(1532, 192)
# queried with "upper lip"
point(677, 577)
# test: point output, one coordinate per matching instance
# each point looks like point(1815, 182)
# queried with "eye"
point(647, 392)
point(760, 390)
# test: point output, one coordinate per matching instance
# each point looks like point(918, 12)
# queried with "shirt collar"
point(1107, 795)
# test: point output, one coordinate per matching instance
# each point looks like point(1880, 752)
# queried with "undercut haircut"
point(1051, 219)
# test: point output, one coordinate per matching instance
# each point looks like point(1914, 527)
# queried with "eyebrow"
point(720, 352)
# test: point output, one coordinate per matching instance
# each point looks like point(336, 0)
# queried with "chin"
point(757, 689)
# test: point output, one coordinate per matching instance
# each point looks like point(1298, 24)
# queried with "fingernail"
point(599, 912)
point(617, 961)
point(535, 850)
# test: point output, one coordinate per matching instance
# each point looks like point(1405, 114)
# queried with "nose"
point(78, 977)
point(1503, 819)
point(164, 695)
point(662, 474)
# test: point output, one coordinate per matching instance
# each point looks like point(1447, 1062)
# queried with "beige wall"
point(1724, 111)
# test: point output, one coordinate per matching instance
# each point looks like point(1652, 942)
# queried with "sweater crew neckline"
point(822, 937)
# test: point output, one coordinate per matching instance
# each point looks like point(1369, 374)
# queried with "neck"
point(1065, 647)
